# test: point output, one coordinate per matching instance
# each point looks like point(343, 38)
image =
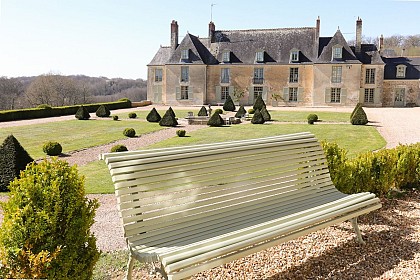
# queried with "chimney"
point(358, 47)
point(381, 44)
point(212, 28)
point(317, 31)
point(318, 27)
point(174, 34)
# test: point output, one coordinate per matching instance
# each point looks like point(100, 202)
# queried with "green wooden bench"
point(193, 208)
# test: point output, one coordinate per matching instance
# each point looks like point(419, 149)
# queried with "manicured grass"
point(178, 113)
point(296, 116)
point(113, 265)
point(74, 134)
point(97, 177)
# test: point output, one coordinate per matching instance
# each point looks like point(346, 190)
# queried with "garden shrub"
point(168, 119)
point(216, 120)
point(312, 118)
point(251, 111)
point(13, 159)
point(44, 106)
point(203, 112)
point(129, 132)
point(259, 103)
point(153, 116)
point(257, 118)
point(46, 227)
point(359, 117)
point(119, 148)
point(132, 115)
point(266, 115)
point(241, 112)
point(115, 118)
point(229, 105)
point(52, 148)
point(181, 132)
point(103, 111)
point(82, 113)
point(219, 111)
point(354, 110)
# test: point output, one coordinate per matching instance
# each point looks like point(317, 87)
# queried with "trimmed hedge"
point(153, 116)
point(52, 148)
point(257, 118)
point(259, 103)
point(129, 132)
point(103, 112)
point(203, 112)
point(266, 115)
point(168, 119)
point(118, 148)
point(216, 120)
point(82, 113)
point(36, 113)
point(359, 116)
point(241, 112)
point(229, 105)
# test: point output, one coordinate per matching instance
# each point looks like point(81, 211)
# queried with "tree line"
point(395, 45)
point(59, 90)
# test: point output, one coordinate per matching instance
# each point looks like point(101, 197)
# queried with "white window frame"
point(293, 94)
point(184, 92)
point(337, 73)
point(259, 56)
point(225, 75)
point(258, 76)
point(401, 71)
point(226, 56)
point(224, 92)
point(257, 91)
point(335, 95)
point(370, 76)
point(185, 74)
point(294, 75)
point(294, 55)
point(158, 77)
point(369, 95)
point(185, 54)
point(337, 52)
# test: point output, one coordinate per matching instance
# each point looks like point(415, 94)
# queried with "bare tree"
point(10, 90)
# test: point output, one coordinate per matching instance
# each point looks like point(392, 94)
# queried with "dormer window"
point(401, 71)
point(259, 56)
point(226, 56)
point(337, 52)
point(185, 54)
point(294, 56)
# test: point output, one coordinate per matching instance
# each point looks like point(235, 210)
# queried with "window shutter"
point(190, 93)
point(343, 96)
point(157, 93)
point(264, 94)
point(251, 96)
point(300, 95)
point(362, 96)
point(218, 94)
point(231, 89)
point(328, 95)
point(178, 93)
point(376, 97)
point(286, 94)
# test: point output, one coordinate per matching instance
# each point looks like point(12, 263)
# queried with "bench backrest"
point(165, 187)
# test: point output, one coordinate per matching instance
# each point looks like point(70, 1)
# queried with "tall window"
point(258, 75)
point(185, 74)
point(224, 92)
point(225, 75)
point(226, 56)
point(294, 75)
point(369, 95)
point(158, 75)
point(370, 76)
point(401, 71)
point(184, 92)
point(336, 74)
point(185, 54)
point(293, 94)
point(257, 91)
point(294, 56)
point(259, 56)
point(337, 52)
point(335, 95)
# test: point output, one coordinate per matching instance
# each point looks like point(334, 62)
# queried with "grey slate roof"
point(412, 70)
point(162, 56)
point(325, 56)
point(369, 54)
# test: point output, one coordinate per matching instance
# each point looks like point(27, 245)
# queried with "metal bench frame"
point(193, 208)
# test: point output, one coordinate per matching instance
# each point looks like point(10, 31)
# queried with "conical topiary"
point(103, 112)
point(216, 120)
point(82, 113)
point(13, 159)
point(241, 112)
point(257, 118)
point(359, 117)
point(168, 119)
point(266, 115)
point(229, 105)
point(171, 112)
point(259, 103)
point(354, 110)
point(153, 116)
point(203, 112)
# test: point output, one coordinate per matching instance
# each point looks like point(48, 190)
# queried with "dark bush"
point(153, 116)
point(355, 109)
point(229, 105)
point(45, 232)
point(115, 118)
point(251, 111)
point(119, 148)
point(82, 113)
point(44, 106)
point(241, 112)
point(266, 115)
point(203, 112)
point(216, 120)
point(168, 119)
point(103, 112)
point(259, 103)
point(132, 115)
point(219, 111)
point(52, 148)
point(312, 118)
point(129, 132)
point(359, 117)
point(181, 133)
point(257, 118)
point(13, 159)
point(171, 111)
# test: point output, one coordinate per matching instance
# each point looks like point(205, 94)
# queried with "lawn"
point(178, 113)
point(301, 116)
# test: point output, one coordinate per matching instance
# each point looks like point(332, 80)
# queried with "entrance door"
point(399, 97)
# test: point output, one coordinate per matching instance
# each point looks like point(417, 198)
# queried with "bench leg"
point(357, 230)
point(130, 264)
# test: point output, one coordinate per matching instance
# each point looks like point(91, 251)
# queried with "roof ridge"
point(267, 29)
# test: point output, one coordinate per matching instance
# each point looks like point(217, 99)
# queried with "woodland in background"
point(59, 90)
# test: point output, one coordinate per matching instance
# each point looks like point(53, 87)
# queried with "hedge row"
point(35, 113)
point(379, 172)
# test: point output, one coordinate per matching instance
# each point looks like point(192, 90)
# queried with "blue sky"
point(117, 38)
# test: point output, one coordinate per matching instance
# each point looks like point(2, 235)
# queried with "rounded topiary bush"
point(203, 112)
point(241, 112)
point(129, 132)
point(46, 226)
point(266, 115)
point(52, 148)
point(216, 120)
point(251, 111)
point(181, 132)
point(132, 115)
point(312, 118)
point(153, 116)
point(257, 118)
point(119, 148)
point(219, 111)
point(229, 105)
point(359, 117)
point(82, 113)
point(103, 112)
point(115, 118)
point(44, 106)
